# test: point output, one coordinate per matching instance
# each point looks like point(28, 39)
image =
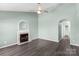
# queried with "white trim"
point(35, 38)
point(74, 44)
point(48, 39)
point(8, 45)
point(22, 43)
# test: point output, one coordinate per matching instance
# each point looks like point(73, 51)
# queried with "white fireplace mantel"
point(23, 27)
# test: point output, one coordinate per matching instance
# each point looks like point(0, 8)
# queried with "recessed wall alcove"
point(23, 32)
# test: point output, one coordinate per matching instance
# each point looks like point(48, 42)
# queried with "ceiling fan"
point(40, 9)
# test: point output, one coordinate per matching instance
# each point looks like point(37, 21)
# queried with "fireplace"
point(23, 32)
point(23, 37)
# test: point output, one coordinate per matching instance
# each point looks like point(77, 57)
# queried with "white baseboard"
point(34, 38)
point(48, 39)
point(24, 42)
point(74, 44)
point(8, 45)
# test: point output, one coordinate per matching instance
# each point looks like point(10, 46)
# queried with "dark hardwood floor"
point(37, 47)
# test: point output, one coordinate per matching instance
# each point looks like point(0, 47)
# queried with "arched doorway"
point(63, 28)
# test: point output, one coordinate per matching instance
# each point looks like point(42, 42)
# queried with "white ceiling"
point(25, 7)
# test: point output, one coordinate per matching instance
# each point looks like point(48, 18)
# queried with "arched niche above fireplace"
point(23, 26)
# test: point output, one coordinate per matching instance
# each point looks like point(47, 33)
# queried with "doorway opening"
point(63, 28)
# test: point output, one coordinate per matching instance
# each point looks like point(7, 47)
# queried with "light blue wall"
point(48, 22)
point(8, 26)
point(76, 25)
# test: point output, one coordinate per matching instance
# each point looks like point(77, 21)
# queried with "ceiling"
point(24, 7)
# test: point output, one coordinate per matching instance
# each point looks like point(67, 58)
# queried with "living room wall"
point(48, 22)
point(8, 26)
